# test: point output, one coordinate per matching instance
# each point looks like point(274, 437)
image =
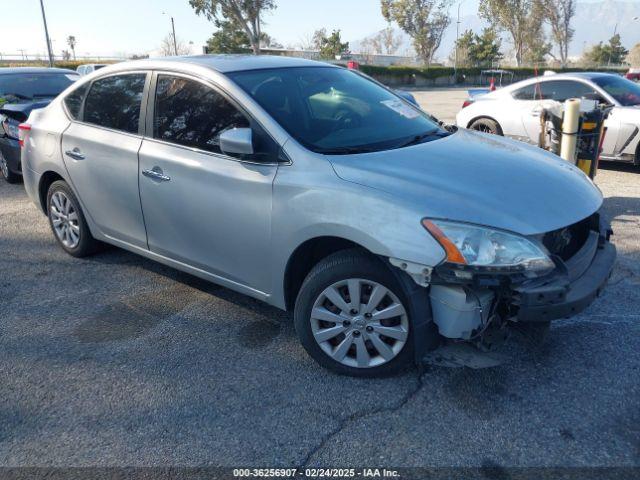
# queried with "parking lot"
point(115, 360)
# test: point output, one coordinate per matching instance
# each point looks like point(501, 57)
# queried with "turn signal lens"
point(453, 254)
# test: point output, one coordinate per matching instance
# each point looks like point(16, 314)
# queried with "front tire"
point(67, 221)
point(353, 316)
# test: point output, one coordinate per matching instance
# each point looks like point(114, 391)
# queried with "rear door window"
point(114, 102)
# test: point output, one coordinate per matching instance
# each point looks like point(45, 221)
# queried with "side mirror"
point(237, 141)
point(595, 97)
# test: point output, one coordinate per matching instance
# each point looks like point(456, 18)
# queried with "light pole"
point(46, 34)
point(173, 29)
point(455, 54)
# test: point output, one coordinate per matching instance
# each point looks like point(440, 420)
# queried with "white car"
point(514, 111)
point(89, 68)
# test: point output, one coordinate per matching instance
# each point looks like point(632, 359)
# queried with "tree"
point(478, 50)
point(229, 38)
point(616, 52)
point(423, 20)
point(386, 41)
point(167, 47)
point(71, 41)
point(606, 54)
point(318, 37)
point(558, 14)
point(633, 58)
point(535, 47)
point(463, 46)
point(243, 13)
point(66, 56)
point(522, 19)
point(332, 46)
point(267, 41)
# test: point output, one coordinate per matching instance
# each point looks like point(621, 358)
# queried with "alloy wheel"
point(359, 323)
point(4, 168)
point(482, 128)
point(64, 219)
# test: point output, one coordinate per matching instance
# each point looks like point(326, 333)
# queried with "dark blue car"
point(22, 90)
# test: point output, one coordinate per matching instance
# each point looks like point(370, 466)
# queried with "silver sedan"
point(514, 111)
point(319, 191)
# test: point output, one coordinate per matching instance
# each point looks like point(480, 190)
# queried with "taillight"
point(467, 102)
point(9, 126)
point(23, 130)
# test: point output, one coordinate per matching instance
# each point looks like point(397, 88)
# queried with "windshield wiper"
point(346, 150)
point(437, 133)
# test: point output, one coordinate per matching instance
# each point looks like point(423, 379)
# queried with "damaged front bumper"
point(477, 306)
point(571, 288)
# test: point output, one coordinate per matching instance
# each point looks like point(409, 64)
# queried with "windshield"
point(20, 87)
point(335, 111)
point(624, 91)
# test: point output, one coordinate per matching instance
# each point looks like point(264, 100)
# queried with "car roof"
point(588, 76)
point(13, 70)
point(226, 63)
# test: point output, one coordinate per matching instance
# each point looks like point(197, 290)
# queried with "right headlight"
point(488, 249)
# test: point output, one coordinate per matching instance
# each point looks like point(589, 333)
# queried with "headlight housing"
point(488, 249)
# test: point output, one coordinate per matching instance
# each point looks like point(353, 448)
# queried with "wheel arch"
point(46, 179)
point(488, 117)
point(305, 257)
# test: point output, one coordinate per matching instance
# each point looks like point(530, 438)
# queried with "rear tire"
point(346, 334)
point(67, 221)
point(486, 125)
point(7, 174)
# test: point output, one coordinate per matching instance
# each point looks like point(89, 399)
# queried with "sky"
point(124, 27)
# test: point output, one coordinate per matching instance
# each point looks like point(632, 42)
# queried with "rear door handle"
point(76, 154)
point(156, 174)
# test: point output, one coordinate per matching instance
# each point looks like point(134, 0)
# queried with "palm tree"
point(71, 41)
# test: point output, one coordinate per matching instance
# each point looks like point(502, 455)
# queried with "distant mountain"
point(593, 22)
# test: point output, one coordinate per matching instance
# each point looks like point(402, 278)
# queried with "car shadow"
point(616, 207)
point(618, 166)
point(112, 255)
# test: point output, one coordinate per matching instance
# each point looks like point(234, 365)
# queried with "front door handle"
point(76, 154)
point(156, 174)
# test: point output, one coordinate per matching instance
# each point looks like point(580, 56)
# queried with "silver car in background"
point(319, 191)
point(514, 111)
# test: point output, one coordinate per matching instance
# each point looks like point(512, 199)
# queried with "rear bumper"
point(570, 291)
point(10, 149)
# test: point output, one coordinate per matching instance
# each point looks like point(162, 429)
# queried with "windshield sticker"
point(402, 108)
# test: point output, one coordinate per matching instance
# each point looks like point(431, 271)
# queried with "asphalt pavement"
point(115, 360)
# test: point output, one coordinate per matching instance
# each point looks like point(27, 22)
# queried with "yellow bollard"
point(570, 130)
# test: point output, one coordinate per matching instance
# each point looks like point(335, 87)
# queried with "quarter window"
point(73, 101)
point(114, 102)
point(524, 93)
point(192, 114)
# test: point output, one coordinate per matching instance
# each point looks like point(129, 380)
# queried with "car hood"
point(479, 178)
